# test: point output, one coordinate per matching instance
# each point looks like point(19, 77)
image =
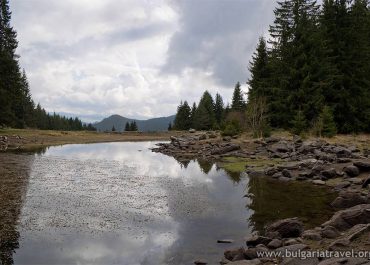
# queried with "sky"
point(135, 58)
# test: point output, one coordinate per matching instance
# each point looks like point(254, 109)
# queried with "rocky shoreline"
point(346, 169)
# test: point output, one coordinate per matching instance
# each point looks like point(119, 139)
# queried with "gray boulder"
point(286, 228)
point(345, 219)
point(363, 165)
point(352, 171)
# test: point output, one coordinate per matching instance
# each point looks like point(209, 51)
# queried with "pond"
point(120, 203)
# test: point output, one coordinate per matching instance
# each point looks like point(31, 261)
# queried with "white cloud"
point(95, 58)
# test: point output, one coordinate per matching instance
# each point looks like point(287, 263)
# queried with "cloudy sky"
point(136, 58)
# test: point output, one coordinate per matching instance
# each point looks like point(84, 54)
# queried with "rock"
point(291, 241)
point(348, 199)
point(343, 160)
point(246, 262)
point(291, 248)
point(329, 173)
point(352, 171)
point(200, 262)
point(339, 244)
point(226, 138)
point(312, 235)
point(224, 261)
point(356, 181)
point(271, 140)
point(318, 182)
point(256, 240)
point(225, 149)
point(366, 182)
point(297, 139)
point(329, 232)
point(280, 147)
point(277, 175)
point(345, 219)
point(290, 227)
point(356, 231)
point(192, 130)
point(275, 243)
point(284, 179)
point(234, 253)
point(271, 171)
point(342, 185)
point(286, 173)
point(344, 261)
point(203, 136)
point(225, 241)
point(342, 152)
point(362, 165)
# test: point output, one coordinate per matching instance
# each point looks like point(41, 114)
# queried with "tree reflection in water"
point(14, 172)
point(272, 200)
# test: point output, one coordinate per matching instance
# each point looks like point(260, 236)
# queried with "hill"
point(119, 122)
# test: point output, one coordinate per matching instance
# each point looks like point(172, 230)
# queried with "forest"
point(311, 75)
point(17, 108)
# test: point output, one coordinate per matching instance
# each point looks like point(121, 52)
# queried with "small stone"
point(225, 241)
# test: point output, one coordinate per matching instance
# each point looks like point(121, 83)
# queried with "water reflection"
point(120, 203)
point(272, 200)
point(14, 177)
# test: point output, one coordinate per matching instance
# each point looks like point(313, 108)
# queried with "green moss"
point(237, 164)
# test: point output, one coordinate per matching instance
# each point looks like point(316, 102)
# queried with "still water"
point(119, 203)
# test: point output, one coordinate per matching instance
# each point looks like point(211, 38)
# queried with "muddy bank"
point(344, 168)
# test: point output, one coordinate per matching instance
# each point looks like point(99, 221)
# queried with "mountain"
point(119, 122)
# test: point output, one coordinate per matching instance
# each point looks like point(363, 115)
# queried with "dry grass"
point(39, 138)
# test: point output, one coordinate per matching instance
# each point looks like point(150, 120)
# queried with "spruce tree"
point(299, 124)
point(259, 82)
point(182, 119)
point(329, 128)
point(192, 115)
point(204, 118)
point(219, 108)
point(127, 126)
point(238, 103)
point(169, 127)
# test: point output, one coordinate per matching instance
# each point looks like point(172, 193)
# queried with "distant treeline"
point(211, 113)
point(17, 109)
point(313, 73)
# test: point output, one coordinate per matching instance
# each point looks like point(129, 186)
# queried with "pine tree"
point(204, 118)
point(329, 128)
point(260, 73)
point(299, 123)
point(169, 127)
point(113, 129)
point(133, 126)
point(238, 103)
point(182, 119)
point(192, 115)
point(127, 126)
point(219, 108)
